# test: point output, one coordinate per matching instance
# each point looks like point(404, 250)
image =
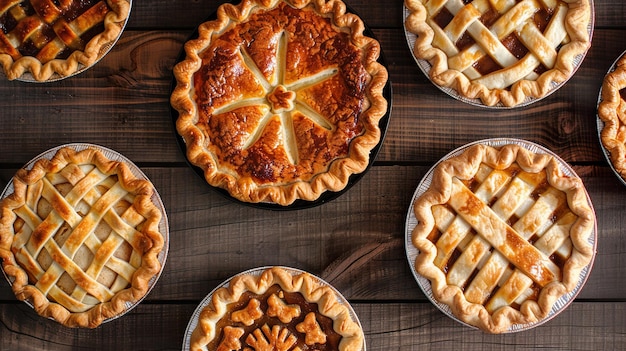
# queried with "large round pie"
point(46, 37)
point(79, 237)
point(502, 233)
point(612, 113)
point(280, 100)
point(279, 309)
point(502, 52)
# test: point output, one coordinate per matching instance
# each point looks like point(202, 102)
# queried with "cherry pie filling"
point(276, 317)
point(29, 27)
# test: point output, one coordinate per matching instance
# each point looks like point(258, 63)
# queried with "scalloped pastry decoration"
point(280, 100)
point(502, 233)
point(46, 37)
point(502, 51)
point(276, 311)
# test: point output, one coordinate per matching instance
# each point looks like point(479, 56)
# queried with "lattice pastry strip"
point(85, 231)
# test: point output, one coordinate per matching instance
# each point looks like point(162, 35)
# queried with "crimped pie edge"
point(506, 318)
point(291, 280)
point(113, 26)
point(142, 278)
point(579, 23)
point(340, 170)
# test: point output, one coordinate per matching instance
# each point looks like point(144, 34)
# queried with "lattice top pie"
point(44, 37)
point(500, 51)
point(612, 111)
point(79, 237)
point(280, 100)
point(502, 233)
point(276, 310)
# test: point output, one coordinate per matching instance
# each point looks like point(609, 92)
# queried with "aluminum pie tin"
point(412, 252)
point(600, 124)
point(28, 77)
point(193, 322)
point(425, 67)
point(156, 199)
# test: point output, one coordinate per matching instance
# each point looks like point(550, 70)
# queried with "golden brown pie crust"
point(40, 41)
point(612, 111)
point(512, 58)
point(79, 237)
point(280, 100)
point(538, 224)
point(290, 324)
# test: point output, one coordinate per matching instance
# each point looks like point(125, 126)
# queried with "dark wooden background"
point(355, 241)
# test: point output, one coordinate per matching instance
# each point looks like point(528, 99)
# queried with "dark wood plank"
point(393, 326)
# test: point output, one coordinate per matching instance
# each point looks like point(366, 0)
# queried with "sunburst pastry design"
point(280, 100)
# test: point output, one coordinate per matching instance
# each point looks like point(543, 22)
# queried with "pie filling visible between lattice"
point(502, 233)
point(503, 51)
point(80, 237)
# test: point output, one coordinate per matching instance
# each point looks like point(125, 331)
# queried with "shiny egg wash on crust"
point(281, 98)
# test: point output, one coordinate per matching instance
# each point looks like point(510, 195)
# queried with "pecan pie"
point(280, 100)
point(44, 37)
point(612, 112)
point(279, 309)
point(79, 237)
point(502, 233)
point(500, 51)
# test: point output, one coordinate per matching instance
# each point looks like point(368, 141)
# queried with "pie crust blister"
point(611, 119)
point(272, 306)
point(92, 230)
point(456, 242)
point(499, 54)
point(288, 111)
point(48, 40)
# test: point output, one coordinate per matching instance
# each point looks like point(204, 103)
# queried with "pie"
point(500, 51)
point(280, 100)
point(279, 310)
point(612, 112)
point(502, 233)
point(79, 237)
point(44, 37)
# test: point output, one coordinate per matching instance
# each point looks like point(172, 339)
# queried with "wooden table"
point(356, 242)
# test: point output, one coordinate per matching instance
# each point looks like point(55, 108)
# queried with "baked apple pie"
point(45, 37)
point(502, 233)
point(503, 52)
point(612, 113)
point(280, 100)
point(79, 237)
point(279, 309)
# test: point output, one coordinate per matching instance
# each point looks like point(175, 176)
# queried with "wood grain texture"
point(356, 242)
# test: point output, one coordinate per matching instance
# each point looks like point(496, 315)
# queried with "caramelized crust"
point(276, 310)
point(501, 52)
point(502, 234)
point(79, 237)
point(45, 37)
point(612, 111)
point(280, 100)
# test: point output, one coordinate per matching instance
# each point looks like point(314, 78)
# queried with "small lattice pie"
point(612, 111)
point(276, 310)
point(44, 37)
point(280, 100)
point(79, 237)
point(500, 51)
point(502, 233)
